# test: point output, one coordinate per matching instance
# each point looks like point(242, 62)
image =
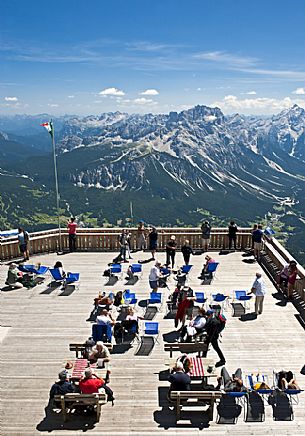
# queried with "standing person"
point(141, 236)
point(232, 234)
point(23, 238)
point(205, 235)
point(123, 241)
point(293, 272)
point(253, 230)
point(171, 251)
point(186, 250)
point(128, 237)
point(259, 290)
point(153, 241)
point(154, 276)
point(71, 226)
point(212, 328)
point(257, 238)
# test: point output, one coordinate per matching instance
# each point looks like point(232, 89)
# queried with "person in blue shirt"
point(257, 238)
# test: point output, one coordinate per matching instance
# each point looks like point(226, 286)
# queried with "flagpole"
point(56, 186)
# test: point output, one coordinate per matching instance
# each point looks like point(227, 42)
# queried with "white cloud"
point(53, 105)
point(198, 89)
point(251, 93)
point(226, 58)
point(71, 96)
point(13, 99)
point(299, 91)
point(258, 106)
point(150, 92)
point(144, 101)
point(112, 91)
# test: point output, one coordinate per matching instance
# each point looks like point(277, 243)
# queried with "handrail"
point(107, 239)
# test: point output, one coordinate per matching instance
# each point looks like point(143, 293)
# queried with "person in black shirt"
point(171, 251)
point(179, 381)
point(61, 387)
point(186, 250)
point(232, 234)
point(212, 330)
point(153, 241)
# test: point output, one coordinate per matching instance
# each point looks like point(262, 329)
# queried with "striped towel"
point(197, 367)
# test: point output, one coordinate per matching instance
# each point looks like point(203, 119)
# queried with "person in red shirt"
point(90, 383)
point(72, 234)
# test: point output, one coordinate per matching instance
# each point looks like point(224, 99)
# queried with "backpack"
point(222, 320)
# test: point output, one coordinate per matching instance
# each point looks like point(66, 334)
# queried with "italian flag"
point(49, 127)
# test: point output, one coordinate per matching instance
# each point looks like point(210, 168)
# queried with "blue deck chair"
point(129, 298)
point(101, 333)
point(264, 392)
point(152, 329)
point(71, 278)
point(292, 393)
point(243, 297)
point(155, 298)
point(200, 298)
point(186, 269)
point(26, 268)
point(116, 270)
point(136, 269)
point(31, 268)
point(212, 267)
point(220, 300)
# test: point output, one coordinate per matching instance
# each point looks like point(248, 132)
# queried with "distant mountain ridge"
point(176, 167)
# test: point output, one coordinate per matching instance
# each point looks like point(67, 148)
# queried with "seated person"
point(132, 320)
point(259, 382)
point(179, 380)
point(186, 362)
point(103, 300)
point(196, 326)
point(287, 381)
point(234, 383)
point(58, 265)
point(129, 273)
point(90, 383)
point(61, 387)
point(118, 299)
point(105, 318)
point(99, 351)
point(14, 277)
point(205, 266)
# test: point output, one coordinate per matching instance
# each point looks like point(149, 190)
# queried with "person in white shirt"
point(259, 290)
point(105, 318)
point(154, 276)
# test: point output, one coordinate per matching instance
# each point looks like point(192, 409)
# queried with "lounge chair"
point(228, 410)
point(70, 278)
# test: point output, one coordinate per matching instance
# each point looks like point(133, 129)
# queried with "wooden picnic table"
point(80, 365)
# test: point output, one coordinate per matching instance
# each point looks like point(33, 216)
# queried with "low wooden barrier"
point(104, 239)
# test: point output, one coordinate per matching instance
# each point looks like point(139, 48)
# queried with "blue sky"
point(90, 57)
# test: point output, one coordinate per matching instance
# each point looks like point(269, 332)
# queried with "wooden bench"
point(194, 399)
point(186, 347)
point(79, 348)
point(69, 401)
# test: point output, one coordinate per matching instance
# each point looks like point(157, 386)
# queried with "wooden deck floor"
point(37, 326)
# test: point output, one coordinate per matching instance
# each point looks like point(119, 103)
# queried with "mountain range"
point(176, 168)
